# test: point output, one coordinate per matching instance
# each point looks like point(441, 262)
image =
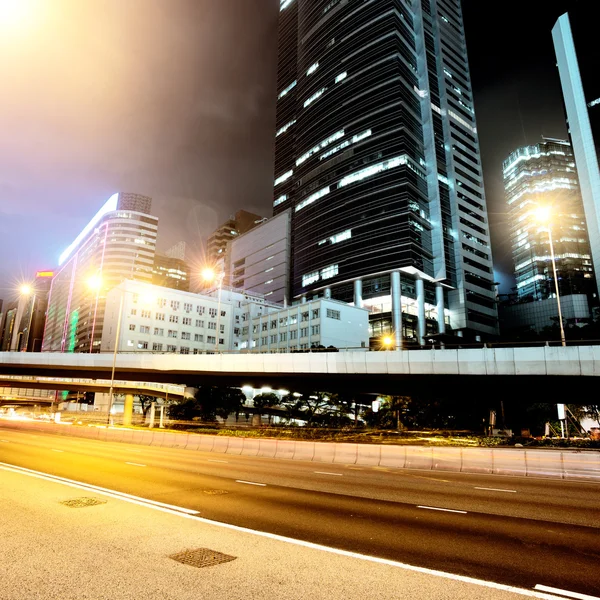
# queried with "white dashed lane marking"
point(462, 512)
point(496, 490)
point(250, 482)
point(135, 464)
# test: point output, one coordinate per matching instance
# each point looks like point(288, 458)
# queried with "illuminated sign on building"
point(44, 274)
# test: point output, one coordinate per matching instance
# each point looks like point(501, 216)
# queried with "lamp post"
point(210, 275)
point(543, 215)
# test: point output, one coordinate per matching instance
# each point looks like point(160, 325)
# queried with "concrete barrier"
point(580, 465)
point(368, 454)
point(446, 459)
point(509, 462)
point(563, 464)
point(393, 456)
point(478, 460)
point(304, 451)
point(324, 452)
point(544, 463)
point(235, 446)
point(251, 446)
point(267, 448)
point(285, 448)
point(345, 453)
point(419, 457)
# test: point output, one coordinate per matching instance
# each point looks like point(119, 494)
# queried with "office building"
point(574, 36)
point(117, 244)
point(171, 272)
point(237, 224)
point(321, 323)
point(377, 158)
point(7, 323)
point(30, 318)
point(544, 176)
point(158, 319)
point(259, 261)
point(177, 250)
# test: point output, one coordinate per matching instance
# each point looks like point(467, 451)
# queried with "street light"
point(543, 214)
point(96, 281)
point(210, 275)
point(387, 342)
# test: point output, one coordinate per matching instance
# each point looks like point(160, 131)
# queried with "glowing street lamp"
point(543, 215)
point(209, 275)
point(387, 341)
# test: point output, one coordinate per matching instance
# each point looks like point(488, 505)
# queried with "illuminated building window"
point(283, 177)
point(341, 77)
point(336, 136)
point(314, 97)
point(279, 200)
point(312, 198)
point(285, 128)
point(287, 89)
point(338, 237)
point(312, 68)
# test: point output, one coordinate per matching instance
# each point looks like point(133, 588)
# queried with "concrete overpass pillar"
point(396, 308)
point(127, 409)
point(358, 300)
point(439, 299)
point(421, 326)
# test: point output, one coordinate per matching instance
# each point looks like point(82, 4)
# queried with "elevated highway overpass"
point(549, 373)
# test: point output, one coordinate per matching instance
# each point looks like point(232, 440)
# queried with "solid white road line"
point(215, 460)
point(190, 514)
point(545, 588)
point(5, 441)
point(55, 450)
point(327, 473)
point(462, 512)
point(135, 464)
point(496, 490)
point(100, 490)
point(250, 482)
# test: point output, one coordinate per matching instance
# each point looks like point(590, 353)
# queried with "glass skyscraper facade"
point(544, 175)
point(577, 57)
point(117, 244)
point(377, 157)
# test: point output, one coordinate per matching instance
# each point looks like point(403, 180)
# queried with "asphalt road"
point(523, 532)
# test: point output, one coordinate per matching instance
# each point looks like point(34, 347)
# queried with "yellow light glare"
point(25, 289)
point(387, 340)
point(147, 298)
point(14, 11)
point(208, 274)
point(542, 214)
point(94, 282)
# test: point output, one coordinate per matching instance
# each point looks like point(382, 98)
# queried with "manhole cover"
point(215, 492)
point(201, 557)
point(82, 502)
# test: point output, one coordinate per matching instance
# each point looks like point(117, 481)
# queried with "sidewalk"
point(117, 550)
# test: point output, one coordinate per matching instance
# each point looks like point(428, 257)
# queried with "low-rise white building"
point(321, 322)
point(159, 319)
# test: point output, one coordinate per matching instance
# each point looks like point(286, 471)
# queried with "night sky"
point(176, 99)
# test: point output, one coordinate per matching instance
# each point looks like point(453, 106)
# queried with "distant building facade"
point(318, 323)
point(117, 244)
point(544, 175)
point(377, 156)
point(259, 261)
point(576, 47)
point(158, 319)
point(171, 272)
point(238, 224)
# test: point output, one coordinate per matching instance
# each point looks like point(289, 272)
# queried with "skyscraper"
point(544, 175)
point(377, 155)
point(576, 47)
point(117, 244)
